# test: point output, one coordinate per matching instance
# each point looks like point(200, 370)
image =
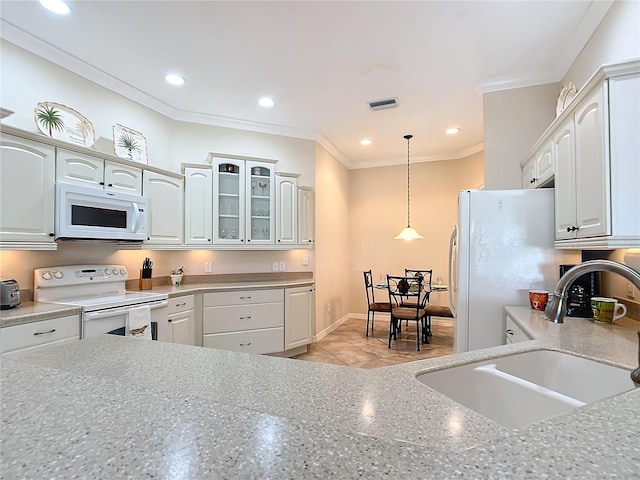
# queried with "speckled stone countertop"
point(28, 312)
point(116, 407)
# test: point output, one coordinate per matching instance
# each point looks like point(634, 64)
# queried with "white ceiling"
point(321, 61)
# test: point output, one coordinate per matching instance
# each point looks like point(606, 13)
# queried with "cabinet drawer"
point(269, 340)
point(242, 297)
point(39, 333)
point(242, 317)
point(181, 304)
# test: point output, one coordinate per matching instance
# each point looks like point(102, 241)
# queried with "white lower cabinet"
point(19, 338)
point(298, 316)
point(513, 333)
point(182, 320)
point(244, 321)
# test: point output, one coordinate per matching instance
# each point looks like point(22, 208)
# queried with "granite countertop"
point(114, 407)
point(28, 312)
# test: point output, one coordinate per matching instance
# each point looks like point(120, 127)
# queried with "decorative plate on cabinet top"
point(64, 123)
point(567, 94)
point(129, 144)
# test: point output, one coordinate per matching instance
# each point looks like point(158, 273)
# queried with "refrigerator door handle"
point(452, 279)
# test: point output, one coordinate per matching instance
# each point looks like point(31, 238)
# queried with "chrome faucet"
point(557, 304)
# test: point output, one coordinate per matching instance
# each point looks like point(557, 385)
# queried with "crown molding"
point(389, 162)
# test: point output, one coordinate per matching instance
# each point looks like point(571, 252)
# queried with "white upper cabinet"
point(286, 209)
point(539, 168)
point(27, 179)
point(166, 208)
point(243, 201)
point(306, 216)
point(597, 150)
point(198, 208)
point(90, 171)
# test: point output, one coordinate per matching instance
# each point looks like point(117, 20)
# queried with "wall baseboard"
point(319, 336)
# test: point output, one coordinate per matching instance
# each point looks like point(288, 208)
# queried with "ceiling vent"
point(383, 104)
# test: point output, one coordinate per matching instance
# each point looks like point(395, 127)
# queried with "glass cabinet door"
point(261, 190)
point(229, 201)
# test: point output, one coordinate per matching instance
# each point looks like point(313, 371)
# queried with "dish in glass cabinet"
point(567, 94)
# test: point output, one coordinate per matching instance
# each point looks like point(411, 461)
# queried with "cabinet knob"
point(509, 331)
point(101, 183)
point(248, 240)
point(51, 234)
point(278, 239)
point(533, 180)
point(572, 229)
point(110, 185)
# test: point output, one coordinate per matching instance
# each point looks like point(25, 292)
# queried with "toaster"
point(9, 293)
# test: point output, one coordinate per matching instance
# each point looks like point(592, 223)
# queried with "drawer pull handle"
point(45, 333)
point(509, 331)
point(245, 344)
point(245, 298)
point(246, 318)
point(181, 304)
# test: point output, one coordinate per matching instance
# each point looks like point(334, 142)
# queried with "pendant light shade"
point(408, 233)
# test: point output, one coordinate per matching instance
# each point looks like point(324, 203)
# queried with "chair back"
point(425, 274)
point(406, 292)
point(368, 285)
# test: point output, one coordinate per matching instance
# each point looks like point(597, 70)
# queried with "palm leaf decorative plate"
point(64, 123)
point(129, 144)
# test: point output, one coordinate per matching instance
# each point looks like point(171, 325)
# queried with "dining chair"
point(372, 305)
point(426, 283)
point(408, 300)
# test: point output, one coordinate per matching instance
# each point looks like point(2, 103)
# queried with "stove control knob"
point(107, 271)
point(122, 272)
point(46, 276)
point(58, 274)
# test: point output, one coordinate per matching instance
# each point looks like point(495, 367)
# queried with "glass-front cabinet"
point(243, 201)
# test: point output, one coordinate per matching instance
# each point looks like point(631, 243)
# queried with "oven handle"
point(117, 311)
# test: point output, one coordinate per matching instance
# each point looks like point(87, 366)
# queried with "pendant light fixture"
point(408, 233)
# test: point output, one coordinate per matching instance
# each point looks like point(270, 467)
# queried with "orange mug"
point(538, 299)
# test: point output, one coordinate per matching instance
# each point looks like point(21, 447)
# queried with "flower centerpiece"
point(176, 276)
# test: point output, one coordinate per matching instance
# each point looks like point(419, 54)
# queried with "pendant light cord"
point(408, 137)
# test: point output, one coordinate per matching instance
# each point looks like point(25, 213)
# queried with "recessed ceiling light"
point(56, 6)
point(174, 79)
point(266, 102)
point(452, 130)
point(365, 141)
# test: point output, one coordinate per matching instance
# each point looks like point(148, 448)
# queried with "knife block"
point(144, 283)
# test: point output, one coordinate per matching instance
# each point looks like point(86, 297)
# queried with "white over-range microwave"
point(94, 214)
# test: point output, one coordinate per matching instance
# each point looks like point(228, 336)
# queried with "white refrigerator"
point(501, 248)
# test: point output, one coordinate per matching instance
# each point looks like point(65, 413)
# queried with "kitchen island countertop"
point(115, 407)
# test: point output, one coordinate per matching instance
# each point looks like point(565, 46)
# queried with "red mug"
point(538, 299)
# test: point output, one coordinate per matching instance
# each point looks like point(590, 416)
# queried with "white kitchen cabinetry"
point(27, 179)
point(244, 321)
point(198, 208)
point(306, 216)
point(166, 199)
point(29, 336)
point(513, 333)
point(597, 150)
point(298, 316)
point(243, 201)
point(182, 323)
point(286, 209)
point(539, 168)
point(89, 171)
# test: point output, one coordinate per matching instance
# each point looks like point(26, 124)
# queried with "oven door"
point(114, 320)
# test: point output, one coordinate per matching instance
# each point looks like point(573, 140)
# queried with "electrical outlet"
point(274, 266)
point(208, 267)
point(328, 308)
point(305, 261)
point(282, 266)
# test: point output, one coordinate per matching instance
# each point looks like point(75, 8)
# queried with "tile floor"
point(348, 345)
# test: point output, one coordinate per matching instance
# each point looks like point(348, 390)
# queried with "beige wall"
point(378, 211)
point(513, 121)
point(617, 39)
point(332, 240)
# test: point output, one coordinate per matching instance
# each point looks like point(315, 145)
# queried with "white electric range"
point(100, 291)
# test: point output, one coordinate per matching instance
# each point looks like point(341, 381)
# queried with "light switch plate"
point(282, 265)
point(274, 266)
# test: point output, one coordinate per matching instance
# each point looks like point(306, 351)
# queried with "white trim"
point(385, 163)
point(319, 336)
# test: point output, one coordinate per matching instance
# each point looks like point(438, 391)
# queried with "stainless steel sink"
point(521, 389)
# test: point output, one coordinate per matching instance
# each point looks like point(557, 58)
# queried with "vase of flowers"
point(176, 276)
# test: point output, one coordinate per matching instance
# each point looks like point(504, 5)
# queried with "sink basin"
point(521, 389)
